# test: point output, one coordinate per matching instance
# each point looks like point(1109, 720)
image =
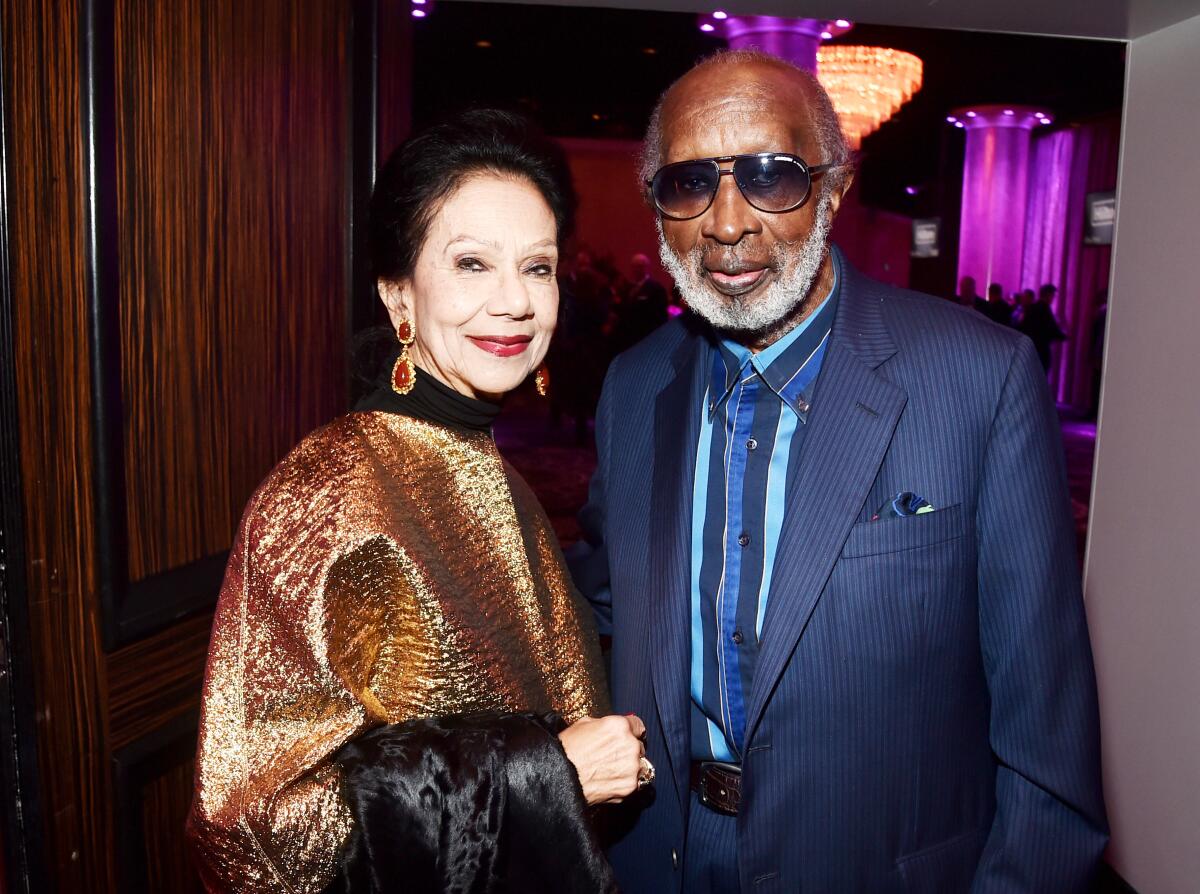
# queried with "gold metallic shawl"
point(387, 569)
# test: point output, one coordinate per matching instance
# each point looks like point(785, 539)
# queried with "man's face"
point(745, 270)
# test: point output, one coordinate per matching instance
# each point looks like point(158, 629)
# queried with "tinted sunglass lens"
point(684, 190)
point(772, 183)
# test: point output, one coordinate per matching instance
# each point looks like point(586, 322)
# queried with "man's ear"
point(835, 198)
point(395, 297)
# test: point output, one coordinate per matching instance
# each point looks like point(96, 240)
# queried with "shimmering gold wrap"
point(387, 569)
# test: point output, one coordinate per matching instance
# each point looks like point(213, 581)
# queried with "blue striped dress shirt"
point(752, 425)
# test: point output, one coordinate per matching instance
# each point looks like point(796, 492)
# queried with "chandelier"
point(867, 85)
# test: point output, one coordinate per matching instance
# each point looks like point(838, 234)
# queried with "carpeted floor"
point(558, 469)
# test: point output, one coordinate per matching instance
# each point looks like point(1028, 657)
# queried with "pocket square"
point(902, 505)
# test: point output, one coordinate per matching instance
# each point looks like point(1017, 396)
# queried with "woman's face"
point(483, 298)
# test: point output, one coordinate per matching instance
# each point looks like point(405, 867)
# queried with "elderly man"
point(830, 537)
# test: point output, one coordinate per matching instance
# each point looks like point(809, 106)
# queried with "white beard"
point(796, 270)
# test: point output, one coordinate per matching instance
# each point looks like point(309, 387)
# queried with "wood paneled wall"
point(232, 149)
point(49, 291)
point(181, 186)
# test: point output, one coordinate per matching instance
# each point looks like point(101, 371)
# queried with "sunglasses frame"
point(811, 170)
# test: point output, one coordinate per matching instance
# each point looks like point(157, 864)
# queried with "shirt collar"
point(788, 366)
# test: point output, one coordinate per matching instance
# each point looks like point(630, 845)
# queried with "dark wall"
point(181, 186)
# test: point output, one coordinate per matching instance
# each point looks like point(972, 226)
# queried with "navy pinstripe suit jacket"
point(923, 715)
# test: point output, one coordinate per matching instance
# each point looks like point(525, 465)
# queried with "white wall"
point(1143, 565)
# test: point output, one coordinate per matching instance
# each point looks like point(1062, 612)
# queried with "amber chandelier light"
point(868, 85)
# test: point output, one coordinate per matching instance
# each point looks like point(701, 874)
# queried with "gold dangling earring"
point(541, 380)
point(404, 373)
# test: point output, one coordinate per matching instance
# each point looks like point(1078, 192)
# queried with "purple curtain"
point(1067, 165)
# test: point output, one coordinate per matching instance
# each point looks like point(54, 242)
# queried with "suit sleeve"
point(588, 559)
point(1050, 827)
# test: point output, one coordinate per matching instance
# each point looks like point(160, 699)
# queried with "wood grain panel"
point(395, 76)
point(232, 151)
point(156, 680)
point(165, 802)
point(229, 195)
point(48, 278)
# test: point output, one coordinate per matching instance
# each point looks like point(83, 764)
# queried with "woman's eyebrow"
point(466, 237)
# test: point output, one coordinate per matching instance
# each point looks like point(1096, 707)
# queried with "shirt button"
point(744, 539)
point(737, 637)
point(752, 444)
point(674, 858)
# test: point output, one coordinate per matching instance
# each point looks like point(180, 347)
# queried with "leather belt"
point(719, 785)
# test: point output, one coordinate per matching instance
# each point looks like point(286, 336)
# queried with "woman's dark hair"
point(426, 168)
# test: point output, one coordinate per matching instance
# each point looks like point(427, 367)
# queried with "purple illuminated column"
point(995, 187)
point(795, 40)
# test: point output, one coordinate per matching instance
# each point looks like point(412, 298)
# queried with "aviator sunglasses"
point(774, 182)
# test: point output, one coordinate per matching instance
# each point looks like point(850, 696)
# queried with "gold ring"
point(645, 772)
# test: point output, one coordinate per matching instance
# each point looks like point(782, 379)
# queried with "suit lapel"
point(855, 411)
point(676, 427)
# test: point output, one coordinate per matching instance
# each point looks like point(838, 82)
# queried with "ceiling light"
point(867, 85)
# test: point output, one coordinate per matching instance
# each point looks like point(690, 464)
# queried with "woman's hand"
point(606, 752)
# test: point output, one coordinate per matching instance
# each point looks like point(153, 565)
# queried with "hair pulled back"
point(425, 169)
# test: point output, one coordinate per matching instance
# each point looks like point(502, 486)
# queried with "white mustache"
point(731, 260)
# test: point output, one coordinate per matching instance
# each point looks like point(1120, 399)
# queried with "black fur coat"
point(479, 804)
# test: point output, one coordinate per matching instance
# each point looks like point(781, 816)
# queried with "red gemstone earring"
point(404, 373)
point(541, 380)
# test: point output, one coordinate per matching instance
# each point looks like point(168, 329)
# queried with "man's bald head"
point(754, 78)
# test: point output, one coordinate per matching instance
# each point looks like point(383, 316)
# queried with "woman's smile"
point(502, 345)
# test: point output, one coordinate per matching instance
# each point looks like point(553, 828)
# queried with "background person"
point(1040, 325)
point(995, 308)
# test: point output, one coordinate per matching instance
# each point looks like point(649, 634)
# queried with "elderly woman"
point(403, 686)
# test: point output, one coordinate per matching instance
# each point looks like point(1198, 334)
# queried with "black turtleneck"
point(431, 401)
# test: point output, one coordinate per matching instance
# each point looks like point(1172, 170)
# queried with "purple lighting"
point(970, 114)
point(720, 14)
point(996, 174)
point(911, 190)
point(418, 13)
point(796, 40)
point(959, 124)
point(950, 119)
point(842, 23)
point(707, 27)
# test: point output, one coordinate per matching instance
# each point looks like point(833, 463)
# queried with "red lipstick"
point(502, 345)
